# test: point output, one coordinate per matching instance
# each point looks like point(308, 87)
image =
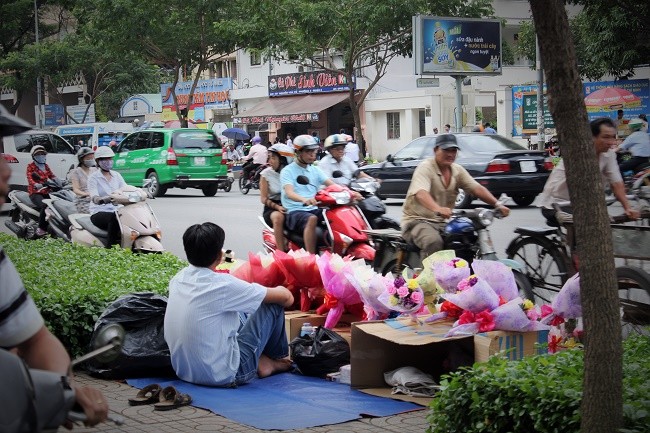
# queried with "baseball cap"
point(447, 141)
point(10, 124)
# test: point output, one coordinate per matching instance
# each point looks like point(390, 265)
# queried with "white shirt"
point(352, 151)
point(202, 323)
point(258, 153)
point(557, 190)
point(98, 186)
point(273, 179)
point(329, 165)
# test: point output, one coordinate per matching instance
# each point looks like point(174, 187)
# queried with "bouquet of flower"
point(335, 271)
point(370, 286)
point(451, 272)
point(403, 296)
point(261, 269)
point(474, 294)
point(427, 278)
point(301, 277)
point(498, 276)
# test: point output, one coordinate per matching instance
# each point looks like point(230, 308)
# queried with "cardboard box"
point(293, 321)
point(382, 346)
point(514, 345)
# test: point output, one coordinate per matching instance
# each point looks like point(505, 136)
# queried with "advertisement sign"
point(77, 112)
point(210, 94)
point(283, 118)
point(307, 82)
point(456, 46)
point(54, 114)
point(605, 98)
point(529, 113)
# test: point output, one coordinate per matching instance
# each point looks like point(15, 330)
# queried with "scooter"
point(139, 226)
point(343, 231)
point(24, 215)
point(371, 206)
point(466, 232)
point(253, 181)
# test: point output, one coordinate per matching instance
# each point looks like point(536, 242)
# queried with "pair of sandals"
point(167, 398)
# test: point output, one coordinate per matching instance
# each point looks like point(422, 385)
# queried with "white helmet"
point(304, 142)
point(336, 140)
point(635, 124)
point(282, 150)
point(104, 152)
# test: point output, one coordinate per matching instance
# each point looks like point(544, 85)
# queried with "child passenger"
point(222, 331)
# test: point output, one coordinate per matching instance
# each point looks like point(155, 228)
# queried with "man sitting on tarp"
point(222, 331)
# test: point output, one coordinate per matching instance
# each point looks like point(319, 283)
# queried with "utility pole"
point(39, 119)
point(541, 140)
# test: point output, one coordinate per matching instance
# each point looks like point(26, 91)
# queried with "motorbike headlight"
point(485, 217)
point(342, 197)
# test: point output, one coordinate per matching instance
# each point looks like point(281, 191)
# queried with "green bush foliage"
point(73, 284)
point(537, 394)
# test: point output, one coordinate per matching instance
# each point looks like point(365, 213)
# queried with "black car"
point(496, 162)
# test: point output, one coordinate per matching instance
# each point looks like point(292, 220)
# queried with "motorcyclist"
point(22, 329)
point(257, 155)
point(101, 184)
point(280, 155)
point(38, 172)
point(79, 178)
point(336, 160)
point(638, 144)
point(302, 213)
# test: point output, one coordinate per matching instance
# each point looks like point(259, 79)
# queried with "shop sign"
point(54, 115)
point(212, 94)
point(281, 118)
point(307, 82)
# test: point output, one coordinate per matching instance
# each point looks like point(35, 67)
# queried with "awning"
point(290, 109)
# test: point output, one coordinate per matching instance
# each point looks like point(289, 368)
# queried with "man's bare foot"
point(268, 366)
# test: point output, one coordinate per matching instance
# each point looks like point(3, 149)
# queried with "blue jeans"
point(261, 333)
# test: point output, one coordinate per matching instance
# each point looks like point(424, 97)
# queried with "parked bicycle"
point(549, 259)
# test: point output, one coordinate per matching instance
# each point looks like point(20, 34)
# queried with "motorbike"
point(466, 233)
point(343, 231)
point(139, 227)
point(371, 206)
point(226, 185)
point(253, 181)
point(24, 215)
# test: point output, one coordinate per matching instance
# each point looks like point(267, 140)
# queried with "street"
point(238, 215)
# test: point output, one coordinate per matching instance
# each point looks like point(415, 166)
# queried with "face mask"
point(106, 164)
point(40, 159)
point(89, 163)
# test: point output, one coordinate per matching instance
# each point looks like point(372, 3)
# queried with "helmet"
point(83, 152)
point(459, 226)
point(336, 140)
point(635, 124)
point(282, 150)
point(104, 152)
point(37, 148)
point(304, 142)
point(257, 139)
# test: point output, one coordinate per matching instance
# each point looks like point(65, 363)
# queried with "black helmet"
point(84, 151)
point(11, 125)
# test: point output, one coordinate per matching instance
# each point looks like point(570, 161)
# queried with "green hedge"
point(72, 284)
point(537, 394)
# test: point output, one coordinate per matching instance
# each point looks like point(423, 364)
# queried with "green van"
point(181, 158)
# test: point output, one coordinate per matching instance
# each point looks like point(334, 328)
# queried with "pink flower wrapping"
point(567, 303)
point(498, 276)
point(337, 284)
point(476, 298)
point(403, 304)
point(511, 317)
point(448, 275)
point(369, 290)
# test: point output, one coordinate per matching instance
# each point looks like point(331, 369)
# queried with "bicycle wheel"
point(634, 293)
point(244, 187)
point(544, 264)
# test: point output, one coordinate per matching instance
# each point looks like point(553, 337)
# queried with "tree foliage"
point(356, 37)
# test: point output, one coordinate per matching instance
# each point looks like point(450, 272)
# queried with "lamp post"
point(39, 120)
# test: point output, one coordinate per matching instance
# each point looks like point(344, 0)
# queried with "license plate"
point(527, 166)
point(199, 160)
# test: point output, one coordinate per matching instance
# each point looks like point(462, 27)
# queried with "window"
point(392, 123)
point(195, 140)
point(51, 143)
point(157, 140)
point(143, 141)
point(129, 143)
point(256, 58)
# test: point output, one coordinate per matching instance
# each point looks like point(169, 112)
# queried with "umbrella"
point(235, 134)
point(611, 98)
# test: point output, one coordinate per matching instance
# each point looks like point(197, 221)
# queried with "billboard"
point(524, 110)
point(208, 95)
point(605, 98)
point(54, 115)
point(307, 82)
point(456, 46)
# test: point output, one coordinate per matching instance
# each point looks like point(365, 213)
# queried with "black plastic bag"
point(144, 351)
point(324, 352)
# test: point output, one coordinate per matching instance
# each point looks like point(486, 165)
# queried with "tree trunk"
point(602, 408)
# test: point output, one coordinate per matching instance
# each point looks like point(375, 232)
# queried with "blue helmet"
point(458, 226)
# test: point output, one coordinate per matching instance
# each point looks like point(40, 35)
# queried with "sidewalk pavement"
point(190, 418)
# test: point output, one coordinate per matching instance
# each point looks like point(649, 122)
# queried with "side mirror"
point(107, 346)
point(389, 158)
point(337, 173)
point(76, 148)
point(303, 180)
point(356, 173)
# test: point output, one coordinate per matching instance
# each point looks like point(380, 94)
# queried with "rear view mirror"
point(302, 180)
point(389, 158)
point(337, 173)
